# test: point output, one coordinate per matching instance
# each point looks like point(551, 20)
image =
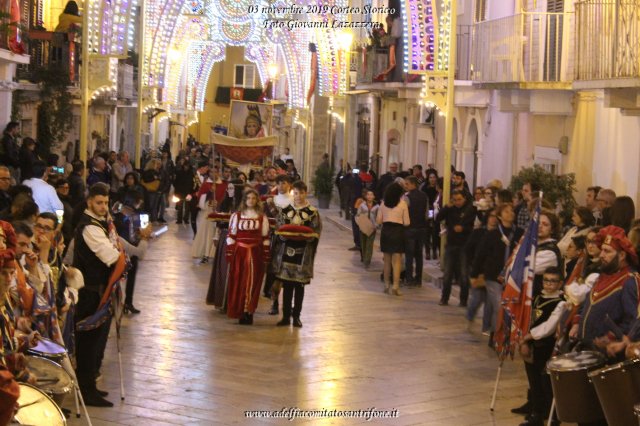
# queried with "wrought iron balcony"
point(51, 49)
point(524, 50)
point(607, 39)
point(463, 52)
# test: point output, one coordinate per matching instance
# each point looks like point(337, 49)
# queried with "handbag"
point(365, 225)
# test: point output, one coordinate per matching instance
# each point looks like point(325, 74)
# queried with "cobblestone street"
point(185, 363)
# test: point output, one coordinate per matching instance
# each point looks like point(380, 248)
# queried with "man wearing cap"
point(614, 294)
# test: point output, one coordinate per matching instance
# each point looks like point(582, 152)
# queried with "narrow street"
point(185, 363)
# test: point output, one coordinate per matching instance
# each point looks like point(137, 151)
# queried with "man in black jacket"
point(9, 152)
point(415, 234)
point(459, 216)
point(386, 180)
point(5, 184)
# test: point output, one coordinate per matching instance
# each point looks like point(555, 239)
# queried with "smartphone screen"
point(430, 214)
point(144, 220)
point(60, 214)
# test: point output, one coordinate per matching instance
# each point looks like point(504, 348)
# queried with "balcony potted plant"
point(323, 184)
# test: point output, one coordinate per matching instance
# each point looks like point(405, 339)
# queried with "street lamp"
point(345, 39)
point(272, 69)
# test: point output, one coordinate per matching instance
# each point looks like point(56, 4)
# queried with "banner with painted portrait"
point(249, 139)
point(250, 120)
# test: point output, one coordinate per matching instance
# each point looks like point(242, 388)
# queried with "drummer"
point(614, 294)
point(13, 342)
point(539, 342)
point(33, 290)
point(629, 344)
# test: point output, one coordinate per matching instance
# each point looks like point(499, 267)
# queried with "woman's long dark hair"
point(393, 194)
point(71, 8)
point(136, 181)
point(623, 211)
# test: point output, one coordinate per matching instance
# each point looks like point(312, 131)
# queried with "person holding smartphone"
point(125, 222)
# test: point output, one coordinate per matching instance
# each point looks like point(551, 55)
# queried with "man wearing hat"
point(614, 294)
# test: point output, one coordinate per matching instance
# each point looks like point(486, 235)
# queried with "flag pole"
point(495, 386)
point(553, 409)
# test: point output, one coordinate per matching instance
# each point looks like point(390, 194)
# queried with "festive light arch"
point(189, 28)
point(207, 26)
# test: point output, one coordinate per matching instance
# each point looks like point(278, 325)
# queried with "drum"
point(576, 399)
point(618, 388)
point(49, 349)
point(51, 378)
point(36, 408)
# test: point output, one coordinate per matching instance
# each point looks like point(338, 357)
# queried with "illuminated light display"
point(188, 28)
point(206, 27)
point(434, 91)
point(421, 45)
point(110, 26)
point(443, 35)
point(161, 19)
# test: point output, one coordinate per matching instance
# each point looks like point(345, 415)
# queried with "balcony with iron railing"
point(463, 52)
point(370, 63)
point(608, 43)
point(526, 50)
point(50, 49)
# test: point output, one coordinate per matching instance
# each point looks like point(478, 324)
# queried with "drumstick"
point(53, 380)
point(31, 403)
point(613, 327)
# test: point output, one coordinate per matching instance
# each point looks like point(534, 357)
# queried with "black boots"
point(92, 396)
point(246, 319)
point(274, 308)
point(286, 321)
point(129, 308)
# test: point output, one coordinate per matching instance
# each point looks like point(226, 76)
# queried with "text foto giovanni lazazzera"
point(292, 17)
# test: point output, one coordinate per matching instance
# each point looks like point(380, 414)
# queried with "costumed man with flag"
point(514, 318)
point(100, 257)
point(612, 305)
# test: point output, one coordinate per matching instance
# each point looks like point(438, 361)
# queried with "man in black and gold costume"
point(293, 260)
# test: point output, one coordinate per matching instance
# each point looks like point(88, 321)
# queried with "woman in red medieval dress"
point(247, 253)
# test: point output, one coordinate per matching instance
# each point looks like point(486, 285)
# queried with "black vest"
point(540, 312)
point(417, 209)
point(551, 245)
point(95, 272)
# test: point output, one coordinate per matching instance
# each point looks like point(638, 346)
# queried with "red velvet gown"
point(247, 253)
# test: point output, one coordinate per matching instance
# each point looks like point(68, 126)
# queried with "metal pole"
point(141, 54)
point(448, 141)
point(495, 387)
point(84, 84)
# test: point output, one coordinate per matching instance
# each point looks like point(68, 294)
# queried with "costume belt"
point(247, 245)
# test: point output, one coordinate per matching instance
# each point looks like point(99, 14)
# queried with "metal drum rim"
point(64, 419)
point(600, 358)
point(622, 365)
point(66, 389)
